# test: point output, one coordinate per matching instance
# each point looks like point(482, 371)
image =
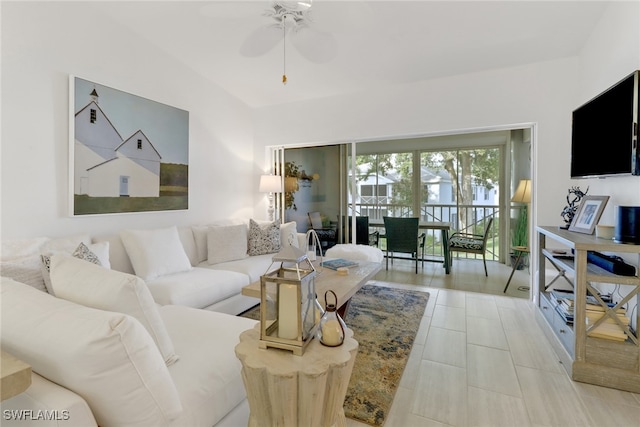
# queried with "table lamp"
point(270, 184)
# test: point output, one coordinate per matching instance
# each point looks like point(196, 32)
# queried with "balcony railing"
point(475, 215)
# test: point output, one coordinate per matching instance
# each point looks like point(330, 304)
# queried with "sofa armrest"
point(49, 404)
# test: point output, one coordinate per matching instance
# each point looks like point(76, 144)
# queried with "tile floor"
point(480, 359)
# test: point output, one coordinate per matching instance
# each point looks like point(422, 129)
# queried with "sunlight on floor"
point(466, 275)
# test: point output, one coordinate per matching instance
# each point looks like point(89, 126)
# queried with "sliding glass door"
point(462, 187)
point(457, 186)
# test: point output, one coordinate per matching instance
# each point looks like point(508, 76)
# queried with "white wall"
point(544, 93)
point(41, 45)
point(612, 52)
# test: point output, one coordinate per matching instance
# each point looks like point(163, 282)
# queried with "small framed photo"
point(588, 214)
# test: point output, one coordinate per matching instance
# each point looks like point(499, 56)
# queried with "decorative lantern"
point(288, 307)
point(331, 327)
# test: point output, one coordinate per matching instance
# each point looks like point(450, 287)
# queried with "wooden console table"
point(288, 390)
point(588, 359)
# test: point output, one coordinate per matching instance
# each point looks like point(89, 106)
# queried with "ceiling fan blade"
point(261, 41)
point(316, 46)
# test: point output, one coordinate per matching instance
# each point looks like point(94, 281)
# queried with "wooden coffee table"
point(344, 286)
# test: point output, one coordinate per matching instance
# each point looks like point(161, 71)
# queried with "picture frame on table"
point(588, 214)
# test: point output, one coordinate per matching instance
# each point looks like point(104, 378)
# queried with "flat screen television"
point(604, 132)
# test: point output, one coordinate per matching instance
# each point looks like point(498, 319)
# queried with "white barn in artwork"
point(105, 164)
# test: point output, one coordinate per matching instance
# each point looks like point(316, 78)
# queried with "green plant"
point(520, 233)
point(291, 170)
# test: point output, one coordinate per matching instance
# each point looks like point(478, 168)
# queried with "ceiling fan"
point(291, 20)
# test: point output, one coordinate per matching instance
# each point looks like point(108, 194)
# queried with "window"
point(93, 115)
point(139, 144)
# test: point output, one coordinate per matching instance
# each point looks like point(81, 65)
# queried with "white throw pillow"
point(107, 358)
point(64, 244)
point(25, 270)
point(12, 249)
point(264, 239)
point(226, 243)
point(97, 253)
point(155, 253)
point(289, 234)
point(93, 286)
point(200, 236)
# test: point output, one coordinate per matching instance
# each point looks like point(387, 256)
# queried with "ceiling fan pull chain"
point(284, 50)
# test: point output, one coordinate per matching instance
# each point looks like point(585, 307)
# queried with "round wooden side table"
point(288, 390)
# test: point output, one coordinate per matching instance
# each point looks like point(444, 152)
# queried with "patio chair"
point(471, 243)
point(328, 236)
point(363, 236)
point(402, 236)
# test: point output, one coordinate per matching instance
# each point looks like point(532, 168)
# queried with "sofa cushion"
point(64, 244)
point(118, 257)
point(107, 358)
point(156, 252)
point(20, 260)
point(98, 253)
point(13, 249)
point(198, 288)
point(208, 376)
point(25, 270)
point(253, 267)
point(289, 235)
point(189, 244)
point(226, 243)
point(200, 236)
point(44, 395)
point(93, 286)
point(264, 239)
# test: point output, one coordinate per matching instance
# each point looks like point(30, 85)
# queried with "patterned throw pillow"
point(264, 239)
point(83, 252)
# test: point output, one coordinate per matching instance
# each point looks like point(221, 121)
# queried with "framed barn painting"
point(126, 153)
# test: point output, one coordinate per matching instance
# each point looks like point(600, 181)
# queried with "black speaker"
point(628, 225)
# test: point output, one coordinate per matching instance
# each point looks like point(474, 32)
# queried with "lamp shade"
point(523, 192)
point(270, 184)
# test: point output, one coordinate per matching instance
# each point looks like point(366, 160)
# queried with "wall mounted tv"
point(604, 132)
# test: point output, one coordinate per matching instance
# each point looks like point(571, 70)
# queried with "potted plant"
point(520, 237)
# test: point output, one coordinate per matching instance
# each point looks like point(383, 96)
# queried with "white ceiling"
point(380, 43)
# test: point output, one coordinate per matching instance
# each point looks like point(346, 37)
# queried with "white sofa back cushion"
point(227, 243)
point(107, 358)
point(20, 260)
point(155, 253)
point(200, 236)
point(118, 257)
point(93, 286)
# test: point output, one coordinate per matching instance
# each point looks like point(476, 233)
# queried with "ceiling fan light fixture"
point(295, 5)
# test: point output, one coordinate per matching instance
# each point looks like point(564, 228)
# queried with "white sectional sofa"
point(97, 357)
point(94, 367)
point(218, 266)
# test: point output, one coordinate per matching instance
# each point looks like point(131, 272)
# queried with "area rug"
point(385, 322)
